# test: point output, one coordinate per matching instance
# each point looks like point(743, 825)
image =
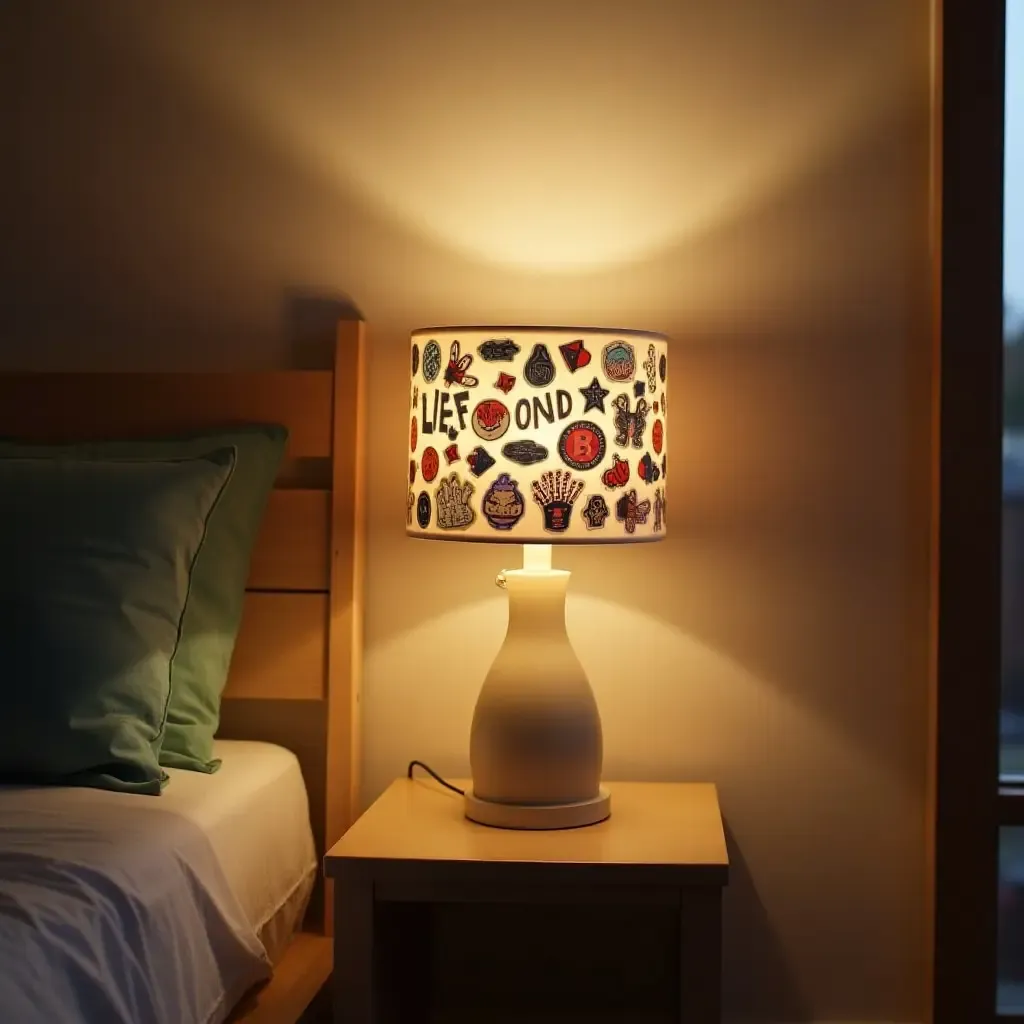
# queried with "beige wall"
point(205, 187)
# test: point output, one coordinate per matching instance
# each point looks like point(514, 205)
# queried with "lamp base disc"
point(538, 816)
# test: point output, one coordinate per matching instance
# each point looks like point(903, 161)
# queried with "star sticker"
point(595, 395)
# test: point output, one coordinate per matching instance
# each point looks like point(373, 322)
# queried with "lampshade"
point(537, 435)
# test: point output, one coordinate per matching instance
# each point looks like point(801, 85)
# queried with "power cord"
point(437, 778)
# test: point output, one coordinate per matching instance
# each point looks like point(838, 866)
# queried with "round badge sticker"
point(431, 361)
point(491, 419)
point(657, 436)
point(430, 463)
point(582, 445)
point(423, 510)
point(413, 435)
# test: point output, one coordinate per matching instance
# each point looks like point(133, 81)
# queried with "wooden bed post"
point(347, 571)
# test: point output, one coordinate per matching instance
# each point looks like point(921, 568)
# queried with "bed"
point(248, 839)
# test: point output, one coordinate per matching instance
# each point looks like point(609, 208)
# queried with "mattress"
point(255, 813)
point(125, 909)
point(114, 907)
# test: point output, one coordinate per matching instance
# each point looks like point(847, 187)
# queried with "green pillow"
point(214, 611)
point(96, 559)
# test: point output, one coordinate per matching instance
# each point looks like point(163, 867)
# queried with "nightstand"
point(413, 851)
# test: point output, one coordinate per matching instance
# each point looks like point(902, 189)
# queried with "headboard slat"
point(293, 548)
point(281, 648)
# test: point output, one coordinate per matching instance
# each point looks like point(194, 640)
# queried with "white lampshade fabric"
point(538, 435)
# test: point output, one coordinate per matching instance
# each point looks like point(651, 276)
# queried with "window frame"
point(966, 803)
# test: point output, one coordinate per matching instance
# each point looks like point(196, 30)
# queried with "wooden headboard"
point(297, 668)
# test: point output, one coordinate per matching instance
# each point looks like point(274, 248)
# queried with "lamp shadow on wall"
point(312, 325)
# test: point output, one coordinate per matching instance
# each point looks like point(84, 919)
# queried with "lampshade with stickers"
point(538, 435)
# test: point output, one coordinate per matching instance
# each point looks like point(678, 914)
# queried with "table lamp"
point(537, 436)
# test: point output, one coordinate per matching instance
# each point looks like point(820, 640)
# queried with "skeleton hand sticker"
point(556, 492)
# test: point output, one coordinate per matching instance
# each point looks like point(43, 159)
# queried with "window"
point(1010, 892)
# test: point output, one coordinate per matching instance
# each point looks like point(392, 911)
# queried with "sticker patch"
point(659, 510)
point(575, 355)
point(505, 382)
point(453, 433)
point(479, 461)
point(410, 504)
point(455, 371)
point(454, 511)
point(618, 361)
point(664, 465)
point(413, 435)
point(556, 492)
point(524, 453)
point(638, 389)
point(412, 471)
point(647, 470)
point(582, 445)
point(415, 358)
point(617, 474)
point(429, 464)
point(423, 510)
point(503, 506)
point(539, 369)
point(631, 512)
point(651, 369)
point(657, 434)
point(431, 361)
point(415, 395)
point(629, 425)
point(594, 396)
point(451, 454)
point(498, 350)
point(595, 512)
point(490, 419)
point(654, 407)
point(663, 367)
point(664, 406)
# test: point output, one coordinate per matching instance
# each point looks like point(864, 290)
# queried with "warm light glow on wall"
point(554, 151)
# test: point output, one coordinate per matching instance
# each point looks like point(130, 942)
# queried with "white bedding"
point(124, 909)
point(255, 812)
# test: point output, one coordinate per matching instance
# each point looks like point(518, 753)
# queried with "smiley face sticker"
point(490, 419)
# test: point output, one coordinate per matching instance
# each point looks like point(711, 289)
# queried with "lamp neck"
point(536, 602)
point(537, 557)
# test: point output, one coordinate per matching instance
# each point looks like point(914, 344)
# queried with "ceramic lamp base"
point(539, 816)
point(535, 745)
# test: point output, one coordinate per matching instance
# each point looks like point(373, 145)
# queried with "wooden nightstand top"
point(673, 825)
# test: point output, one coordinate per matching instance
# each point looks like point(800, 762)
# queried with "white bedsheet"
point(255, 812)
point(124, 909)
